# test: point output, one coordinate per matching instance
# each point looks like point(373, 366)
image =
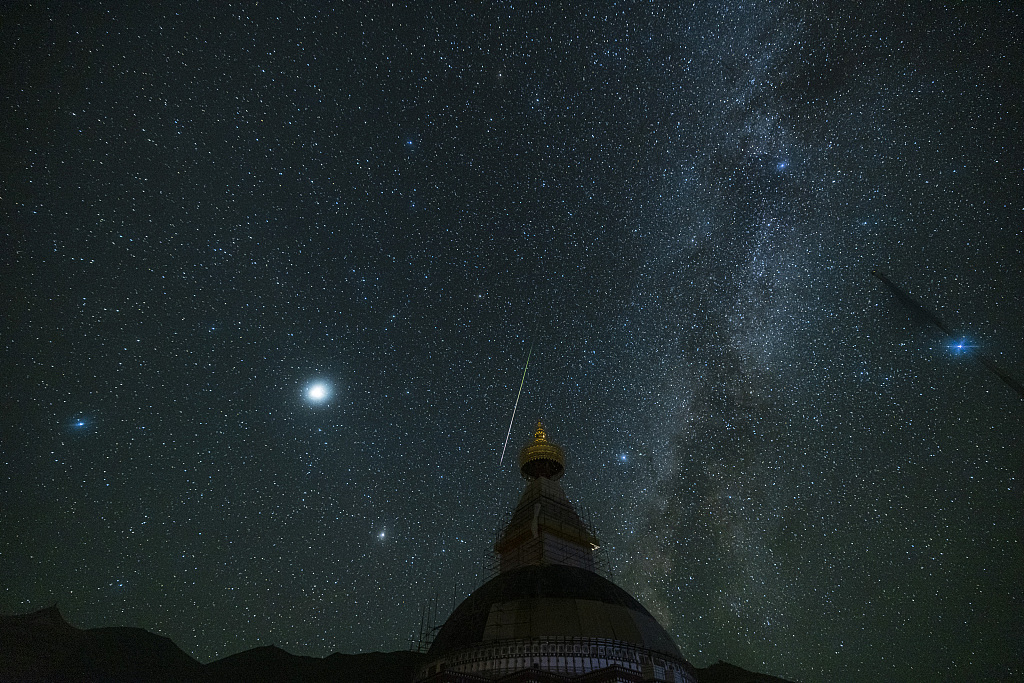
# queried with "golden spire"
point(541, 458)
point(539, 434)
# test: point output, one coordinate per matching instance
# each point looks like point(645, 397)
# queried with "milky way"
point(272, 274)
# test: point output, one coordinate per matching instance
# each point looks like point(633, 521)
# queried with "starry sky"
point(271, 273)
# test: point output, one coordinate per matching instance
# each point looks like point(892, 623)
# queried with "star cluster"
point(272, 273)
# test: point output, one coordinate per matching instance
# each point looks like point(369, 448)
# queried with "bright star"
point(318, 392)
point(961, 346)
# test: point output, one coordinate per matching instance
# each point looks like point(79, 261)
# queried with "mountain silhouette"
point(42, 647)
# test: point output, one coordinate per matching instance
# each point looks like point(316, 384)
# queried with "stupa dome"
point(551, 602)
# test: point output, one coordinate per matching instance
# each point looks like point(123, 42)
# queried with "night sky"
point(270, 276)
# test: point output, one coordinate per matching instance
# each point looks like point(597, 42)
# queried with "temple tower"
point(547, 616)
point(544, 528)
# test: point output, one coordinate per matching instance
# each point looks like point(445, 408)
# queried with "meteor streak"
point(521, 382)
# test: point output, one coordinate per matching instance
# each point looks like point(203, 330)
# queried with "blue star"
point(961, 346)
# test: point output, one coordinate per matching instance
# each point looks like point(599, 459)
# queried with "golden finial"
point(541, 458)
point(539, 434)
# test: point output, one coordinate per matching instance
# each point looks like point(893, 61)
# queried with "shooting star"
point(521, 382)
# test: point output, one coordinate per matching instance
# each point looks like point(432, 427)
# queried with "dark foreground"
point(41, 646)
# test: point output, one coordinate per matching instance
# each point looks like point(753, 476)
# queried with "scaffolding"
point(580, 529)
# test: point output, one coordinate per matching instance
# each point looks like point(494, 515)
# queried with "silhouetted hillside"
point(41, 646)
point(271, 664)
point(723, 672)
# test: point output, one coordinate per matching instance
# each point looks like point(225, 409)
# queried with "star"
point(318, 392)
point(961, 346)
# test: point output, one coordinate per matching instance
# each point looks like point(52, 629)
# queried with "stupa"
point(548, 615)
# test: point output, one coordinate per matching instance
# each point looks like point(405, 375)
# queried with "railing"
point(566, 656)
